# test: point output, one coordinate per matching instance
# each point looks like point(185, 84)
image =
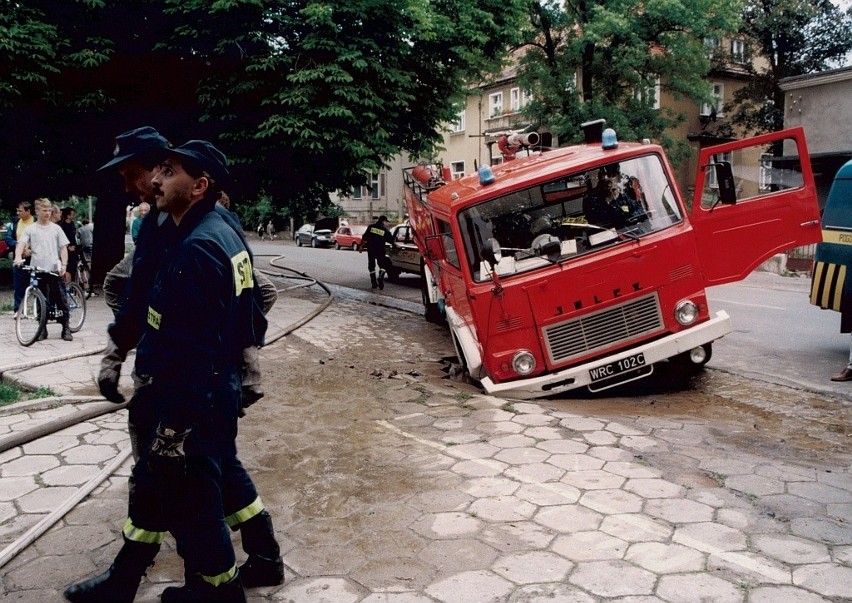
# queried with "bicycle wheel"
point(84, 279)
point(32, 316)
point(76, 300)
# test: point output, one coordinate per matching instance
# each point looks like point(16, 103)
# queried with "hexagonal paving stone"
point(12, 488)
point(612, 501)
point(563, 446)
point(755, 485)
point(502, 508)
point(634, 527)
point(45, 500)
point(824, 578)
point(535, 473)
point(787, 594)
point(593, 480)
point(28, 465)
point(534, 420)
point(447, 525)
point(70, 475)
point(789, 549)
point(678, 510)
point(662, 558)
point(522, 456)
point(500, 427)
point(576, 462)
point(548, 494)
point(479, 468)
point(710, 537)
point(654, 488)
point(544, 433)
point(534, 567)
point(486, 487)
point(622, 429)
point(568, 518)
point(320, 590)
point(512, 441)
point(517, 536)
point(822, 529)
point(589, 546)
point(550, 593)
point(683, 588)
point(819, 492)
point(758, 568)
point(600, 438)
point(460, 554)
point(581, 424)
point(613, 579)
point(727, 466)
point(479, 450)
point(471, 587)
point(51, 444)
point(88, 454)
point(631, 470)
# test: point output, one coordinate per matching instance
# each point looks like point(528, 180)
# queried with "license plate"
point(613, 369)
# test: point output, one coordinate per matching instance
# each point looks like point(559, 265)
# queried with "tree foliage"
point(305, 96)
point(792, 37)
point(619, 50)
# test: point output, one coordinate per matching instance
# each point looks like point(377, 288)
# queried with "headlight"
point(523, 362)
point(686, 312)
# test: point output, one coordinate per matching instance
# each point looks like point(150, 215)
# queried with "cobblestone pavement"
point(396, 485)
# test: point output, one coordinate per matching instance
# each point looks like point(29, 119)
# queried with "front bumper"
point(578, 376)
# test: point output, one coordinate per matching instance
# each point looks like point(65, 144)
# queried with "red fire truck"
point(585, 267)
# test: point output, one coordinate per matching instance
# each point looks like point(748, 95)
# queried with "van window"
point(572, 215)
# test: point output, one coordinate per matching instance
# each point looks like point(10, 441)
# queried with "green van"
point(831, 287)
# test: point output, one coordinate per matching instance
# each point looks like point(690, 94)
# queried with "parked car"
point(406, 256)
point(308, 234)
point(349, 237)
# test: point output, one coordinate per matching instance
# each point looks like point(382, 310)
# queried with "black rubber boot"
point(381, 279)
point(373, 281)
point(196, 590)
point(120, 582)
point(264, 566)
point(66, 333)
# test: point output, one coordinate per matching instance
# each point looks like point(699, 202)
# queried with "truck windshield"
point(569, 216)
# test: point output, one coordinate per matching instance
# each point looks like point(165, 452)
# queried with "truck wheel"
point(432, 311)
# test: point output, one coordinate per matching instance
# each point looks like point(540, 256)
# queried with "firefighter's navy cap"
point(136, 143)
point(383, 218)
point(204, 155)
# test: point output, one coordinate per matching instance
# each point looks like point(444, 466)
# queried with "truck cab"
point(585, 267)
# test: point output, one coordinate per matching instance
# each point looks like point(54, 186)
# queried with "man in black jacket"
point(374, 240)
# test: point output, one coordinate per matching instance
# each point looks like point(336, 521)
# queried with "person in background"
point(270, 230)
point(142, 210)
point(86, 238)
point(55, 213)
point(66, 223)
point(374, 239)
point(48, 252)
point(20, 279)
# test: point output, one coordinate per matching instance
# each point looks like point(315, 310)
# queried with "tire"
point(314, 243)
point(337, 245)
point(432, 311)
point(298, 241)
point(354, 246)
point(84, 279)
point(32, 316)
point(76, 301)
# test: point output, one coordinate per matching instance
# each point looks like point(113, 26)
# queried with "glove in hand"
point(167, 459)
point(110, 373)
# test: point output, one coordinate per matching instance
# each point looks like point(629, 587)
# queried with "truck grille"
point(603, 329)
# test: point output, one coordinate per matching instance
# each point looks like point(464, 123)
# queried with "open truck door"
point(753, 198)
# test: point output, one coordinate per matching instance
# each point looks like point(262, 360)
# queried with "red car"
point(349, 237)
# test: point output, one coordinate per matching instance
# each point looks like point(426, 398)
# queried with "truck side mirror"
point(491, 253)
point(725, 178)
point(435, 247)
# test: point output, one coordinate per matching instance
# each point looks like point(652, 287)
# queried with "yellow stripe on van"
point(822, 292)
point(837, 236)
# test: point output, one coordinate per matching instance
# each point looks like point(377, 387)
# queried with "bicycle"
point(36, 310)
point(84, 273)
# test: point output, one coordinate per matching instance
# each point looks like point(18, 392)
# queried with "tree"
point(792, 37)
point(590, 59)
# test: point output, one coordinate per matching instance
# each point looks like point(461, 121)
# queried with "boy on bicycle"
point(49, 252)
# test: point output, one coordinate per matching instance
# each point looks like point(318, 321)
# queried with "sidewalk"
point(413, 489)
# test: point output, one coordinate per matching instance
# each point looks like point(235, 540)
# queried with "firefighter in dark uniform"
point(374, 240)
point(200, 315)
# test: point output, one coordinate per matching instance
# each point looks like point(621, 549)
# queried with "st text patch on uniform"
point(243, 277)
point(154, 318)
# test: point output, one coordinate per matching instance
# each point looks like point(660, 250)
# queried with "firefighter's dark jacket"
point(375, 237)
point(200, 315)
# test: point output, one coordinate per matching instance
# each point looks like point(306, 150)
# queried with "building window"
point(649, 94)
point(712, 47)
point(458, 125)
point(738, 51)
point(457, 169)
point(526, 97)
point(515, 99)
point(377, 186)
point(358, 192)
point(715, 108)
point(495, 104)
point(712, 182)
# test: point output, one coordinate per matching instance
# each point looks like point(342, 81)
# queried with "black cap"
point(383, 218)
point(204, 155)
point(134, 143)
